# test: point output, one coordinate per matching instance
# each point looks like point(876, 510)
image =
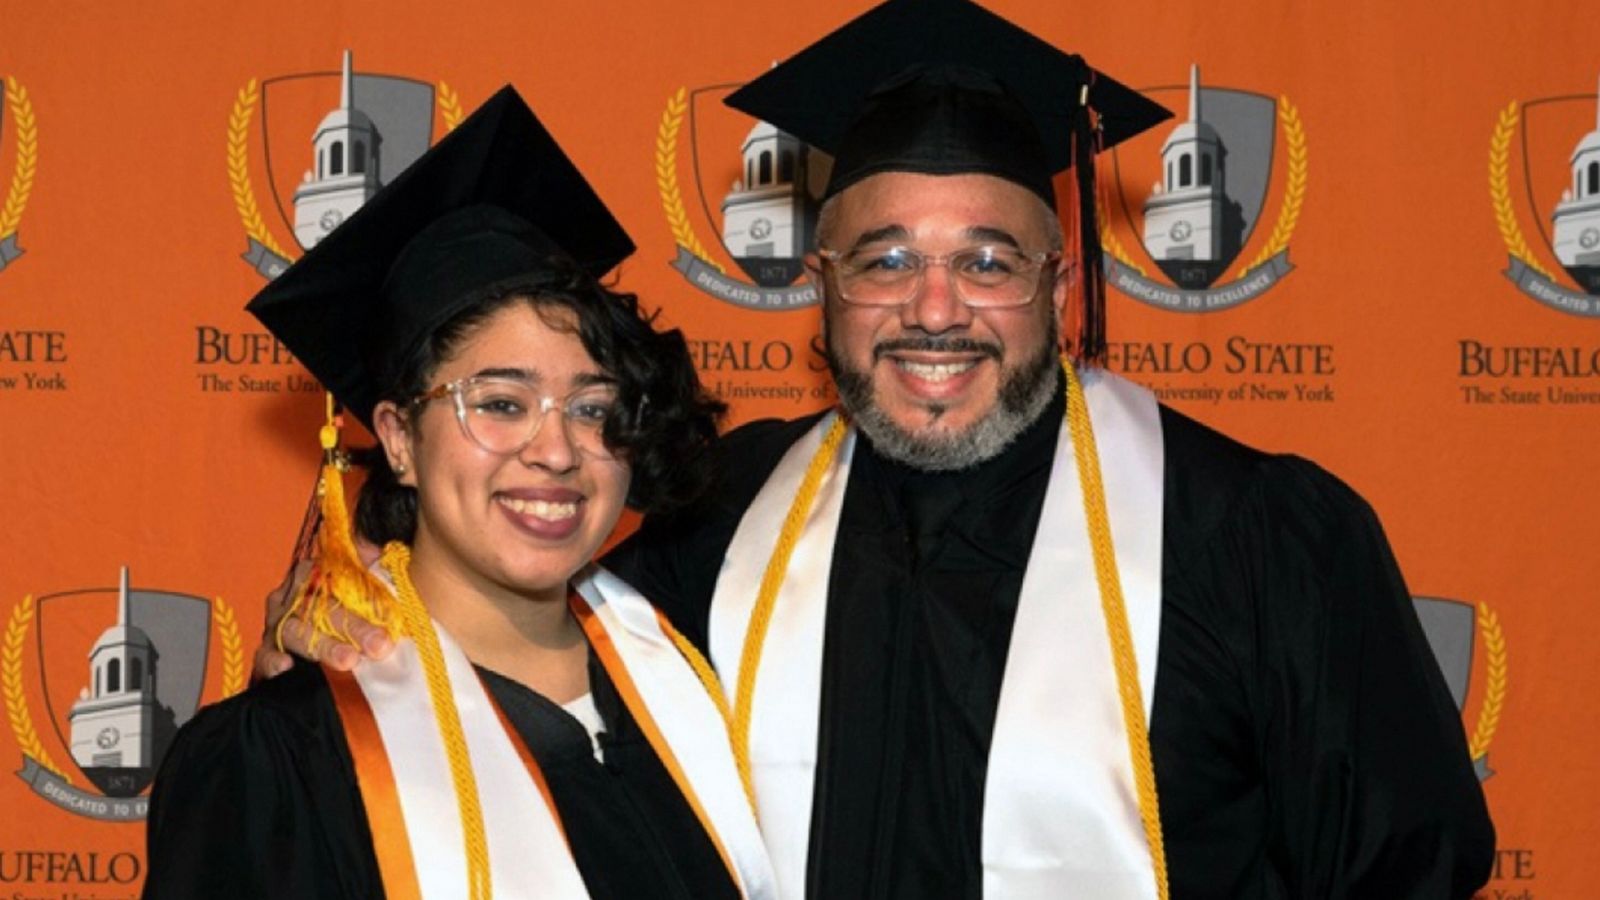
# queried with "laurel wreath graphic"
point(244, 195)
point(1294, 190)
point(27, 162)
point(667, 178)
point(1500, 189)
point(11, 688)
point(1108, 238)
point(449, 107)
point(232, 648)
point(1494, 693)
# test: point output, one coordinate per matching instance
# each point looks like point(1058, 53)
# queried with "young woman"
point(525, 738)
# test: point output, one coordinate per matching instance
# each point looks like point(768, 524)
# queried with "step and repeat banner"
point(1388, 261)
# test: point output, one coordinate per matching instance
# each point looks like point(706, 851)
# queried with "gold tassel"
point(338, 579)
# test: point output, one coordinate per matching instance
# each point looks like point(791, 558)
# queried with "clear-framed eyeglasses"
point(988, 276)
point(503, 415)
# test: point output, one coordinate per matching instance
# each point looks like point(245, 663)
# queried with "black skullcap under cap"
point(942, 87)
point(482, 211)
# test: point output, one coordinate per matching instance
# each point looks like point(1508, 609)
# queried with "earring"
point(400, 468)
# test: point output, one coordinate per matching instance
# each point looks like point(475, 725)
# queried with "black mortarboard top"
point(483, 209)
point(945, 87)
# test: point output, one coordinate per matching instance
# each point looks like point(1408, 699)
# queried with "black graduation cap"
point(942, 86)
point(945, 87)
point(485, 208)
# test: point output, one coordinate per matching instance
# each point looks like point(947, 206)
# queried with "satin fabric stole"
point(375, 780)
point(678, 718)
point(528, 853)
point(1060, 805)
point(785, 709)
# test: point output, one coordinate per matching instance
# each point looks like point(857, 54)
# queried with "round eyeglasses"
point(990, 276)
point(503, 415)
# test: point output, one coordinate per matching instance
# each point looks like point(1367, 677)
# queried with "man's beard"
point(1022, 397)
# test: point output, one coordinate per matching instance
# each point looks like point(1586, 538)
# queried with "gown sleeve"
point(257, 799)
point(675, 558)
point(1368, 790)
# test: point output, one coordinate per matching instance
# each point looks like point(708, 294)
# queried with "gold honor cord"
point(1111, 604)
point(713, 685)
point(1116, 616)
point(419, 627)
point(755, 635)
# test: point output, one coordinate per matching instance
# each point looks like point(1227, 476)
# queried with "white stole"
point(1060, 809)
point(528, 852)
point(528, 855)
point(783, 717)
point(681, 722)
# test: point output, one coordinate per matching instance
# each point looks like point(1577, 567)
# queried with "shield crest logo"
point(755, 192)
point(120, 670)
point(115, 672)
point(1561, 181)
point(326, 142)
point(765, 216)
point(1194, 198)
point(1544, 172)
point(1453, 630)
point(1210, 184)
point(301, 112)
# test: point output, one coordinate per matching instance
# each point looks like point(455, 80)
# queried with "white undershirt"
point(588, 715)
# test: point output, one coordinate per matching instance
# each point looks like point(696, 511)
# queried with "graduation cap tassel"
point(339, 579)
point(1091, 349)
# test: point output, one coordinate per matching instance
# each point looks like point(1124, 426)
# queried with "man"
point(943, 620)
point(935, 706)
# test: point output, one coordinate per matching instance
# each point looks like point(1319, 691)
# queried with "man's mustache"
point(931, 344)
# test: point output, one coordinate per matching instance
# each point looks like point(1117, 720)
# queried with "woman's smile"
point(551, 513)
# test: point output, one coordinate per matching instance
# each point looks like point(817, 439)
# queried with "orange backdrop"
point(1390, 166)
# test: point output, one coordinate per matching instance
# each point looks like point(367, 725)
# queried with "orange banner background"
point(1411, 153)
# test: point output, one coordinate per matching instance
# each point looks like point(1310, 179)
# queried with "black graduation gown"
point(1305, 744)
point(258, 799)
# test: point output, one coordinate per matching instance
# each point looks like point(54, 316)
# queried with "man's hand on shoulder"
point(368, 641)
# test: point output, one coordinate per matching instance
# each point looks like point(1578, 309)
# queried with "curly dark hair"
point(665, 422)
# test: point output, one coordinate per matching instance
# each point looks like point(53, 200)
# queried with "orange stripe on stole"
point(385, 820)
point(600, 640)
